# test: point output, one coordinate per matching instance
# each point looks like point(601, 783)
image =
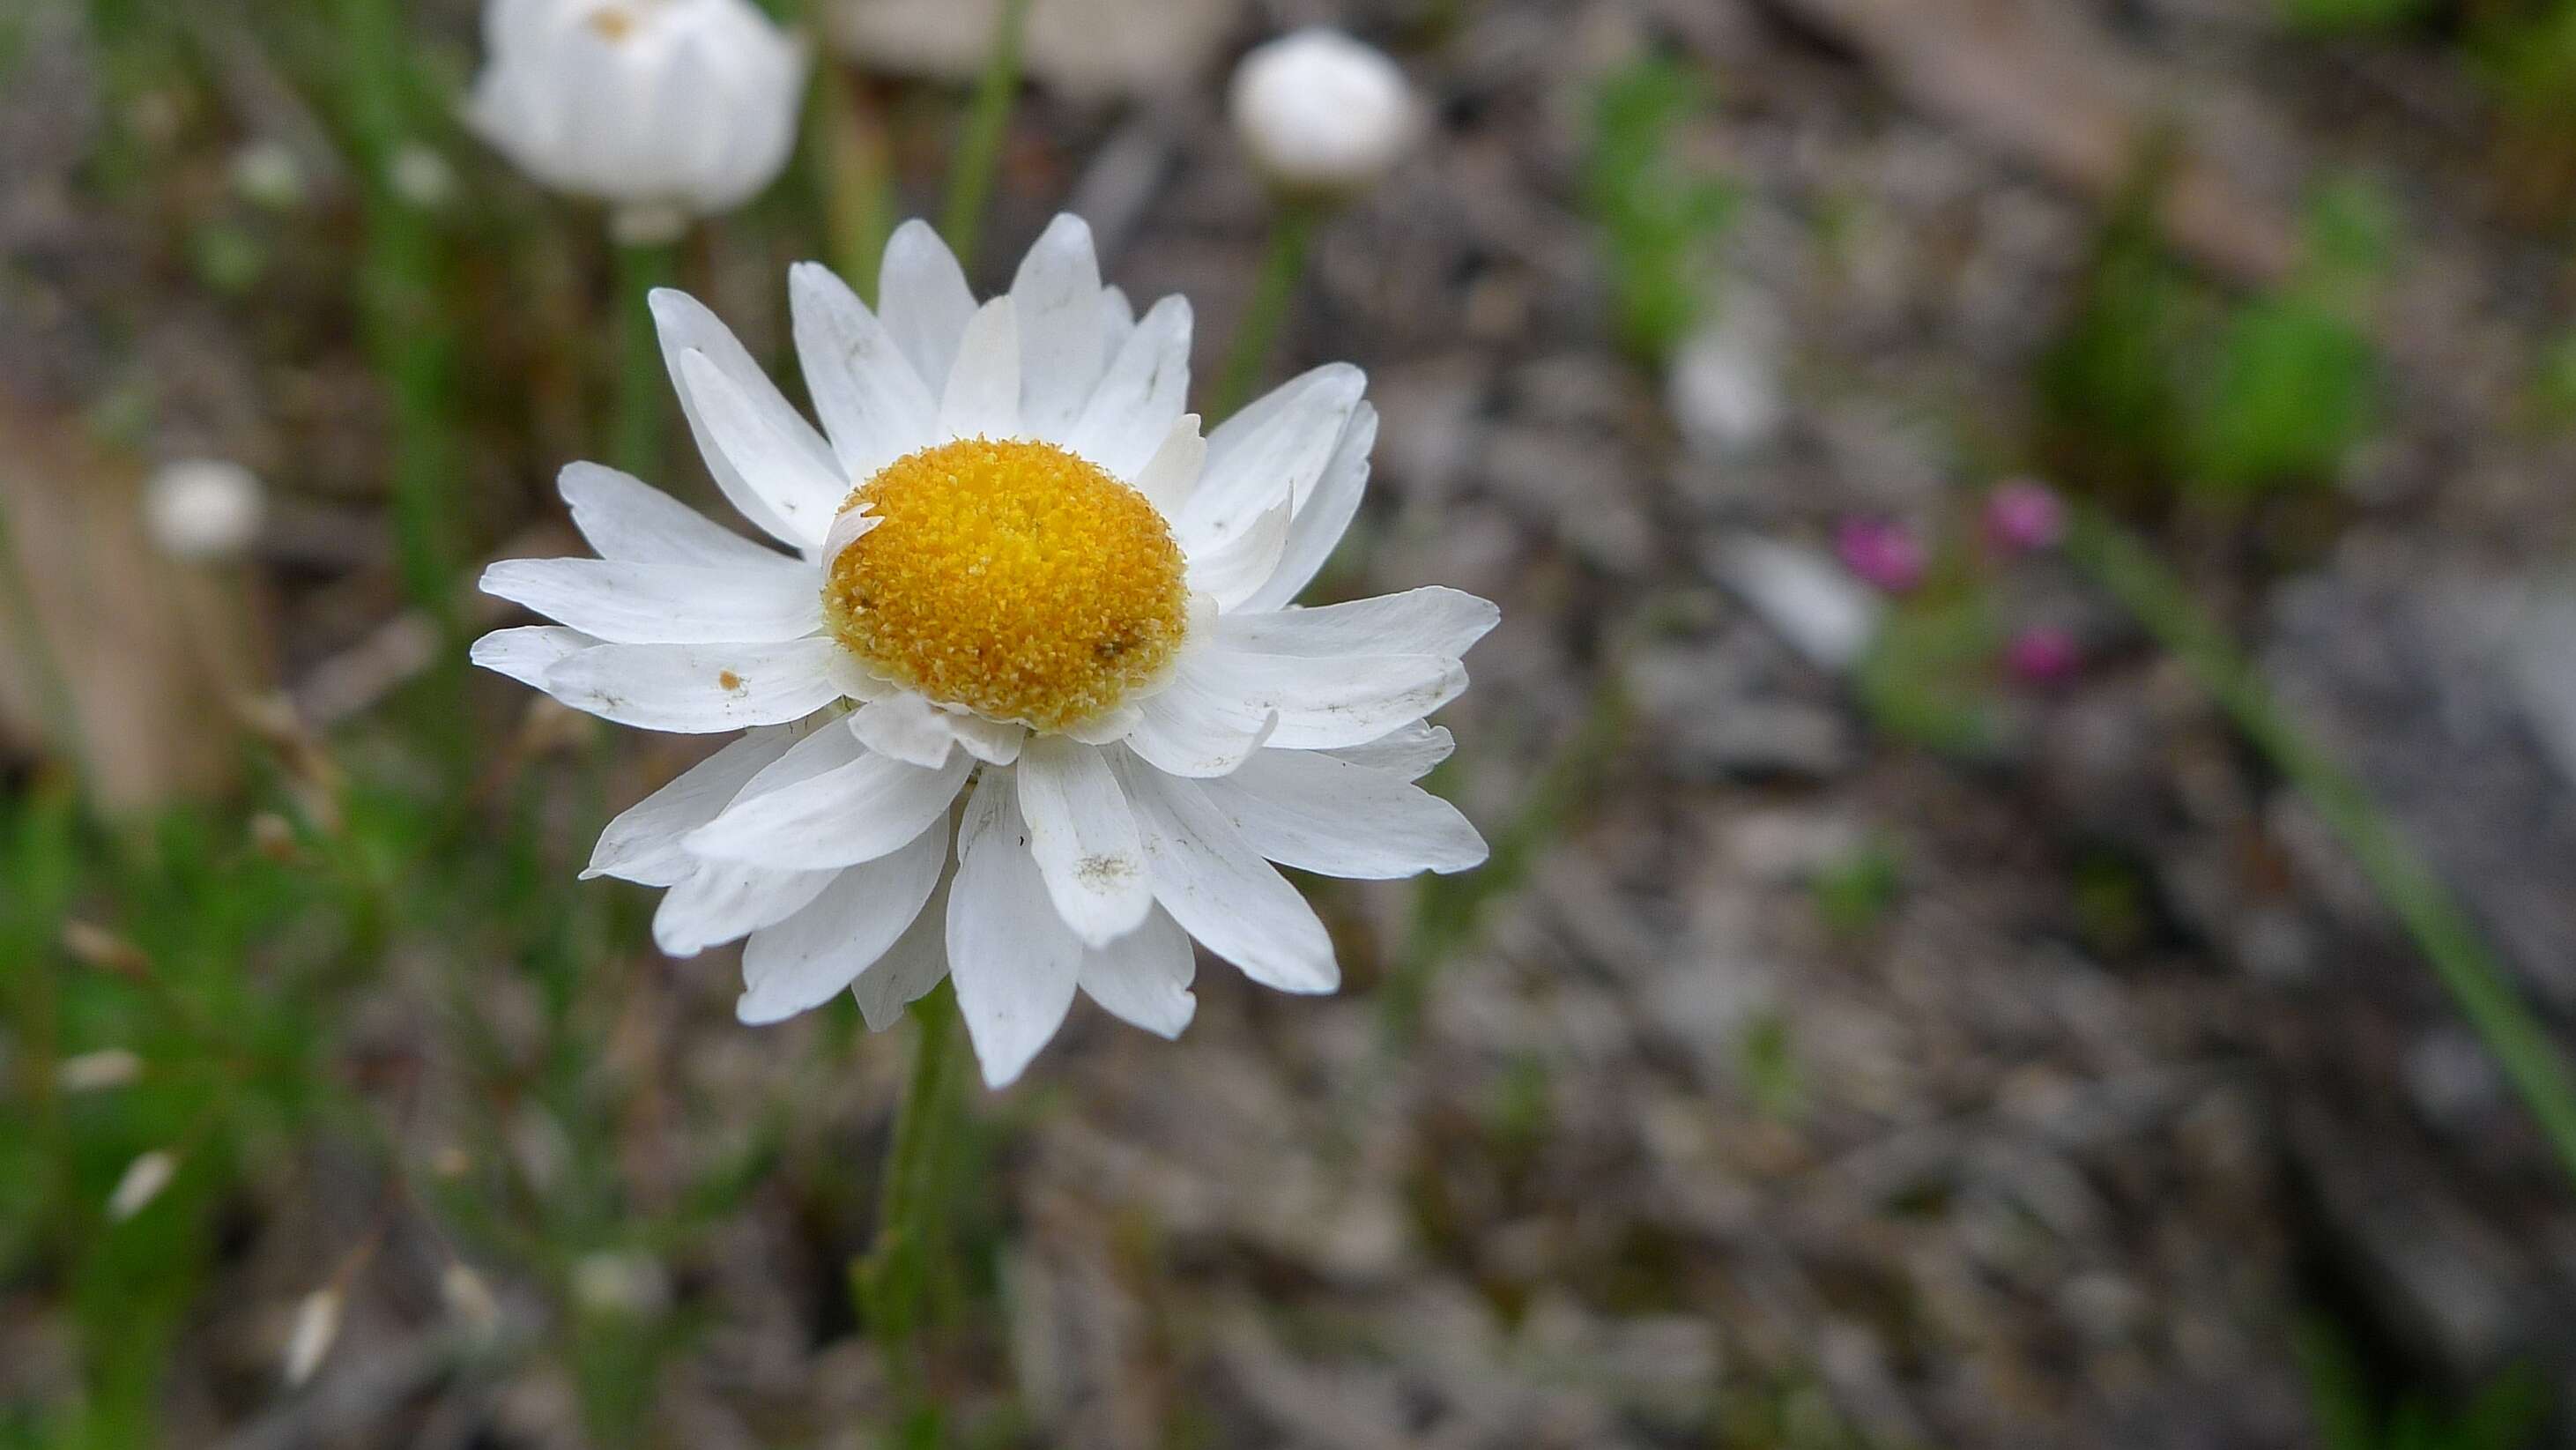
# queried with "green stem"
point(892, 1283)
point(988, 124)
point(857, 181)
point(640, 418)
point(1283, 266)
point(2450, 941)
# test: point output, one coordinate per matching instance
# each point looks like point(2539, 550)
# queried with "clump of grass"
point(1659, 215)
point(2352, 1413)
point(2160, 388)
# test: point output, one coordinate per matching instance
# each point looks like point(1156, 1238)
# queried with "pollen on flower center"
point(611, 23)
point(1011, 578)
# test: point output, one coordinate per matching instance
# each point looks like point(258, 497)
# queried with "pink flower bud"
point(1884, 554)
point(2042, 655)
point(2024, 516)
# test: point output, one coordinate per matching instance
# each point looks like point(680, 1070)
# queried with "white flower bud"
point(317, 1324)
point(202, 508)
point(267, 172)
point(419, 174)
point(1321, 112)
point(144, 1179)
point(664, 109)
point(91, 1072)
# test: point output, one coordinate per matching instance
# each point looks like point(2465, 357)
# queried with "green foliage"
point(1659, 216)
point(2344, 17)
point(2351, 1414)
point(2157, 385)
point(1856, 892)
point(1927, 679)
point(1766, 1061)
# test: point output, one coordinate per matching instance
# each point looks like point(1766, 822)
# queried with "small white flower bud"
point(144, 1179)
point(664, 109)
point(470, 1300)
point(628, 1284)
point(420, 175)
point(317, 1324)
point(94, 1071)
point(267, 172)
point(203, 508)
point(1322, 113)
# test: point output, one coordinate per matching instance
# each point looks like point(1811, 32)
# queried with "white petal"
point(874, 406)
point(643, 843)
point(1013, 959)
point(697, 689)
point(1310, 811)
point(1144, 977)
point(770, 449)
point(625, 518)
point(686, 326)
point(859, 808)
point(1410, 751)
point(906, 727)
point(1169, 477)
point(983, 397)
point(1322, 703)
point(722, 900)
point(665, 603)
point(1221, 891)
point(1324, 515)
point(1229, 570)
point(1252, 468)
point(1084, 838)
point(852, 526)
point(1056, 297)
point(526, 653)
point(803, 961)
point(993, 742)
point(1185, 729)
point(1145, 388)
point(1253, 417)
point(1426, 621)
point(926, 301)
point(909, 968)
point(1117, 320)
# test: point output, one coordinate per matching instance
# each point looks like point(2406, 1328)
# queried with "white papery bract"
point(870, 830)
point(1322, 113)
point(664, 109)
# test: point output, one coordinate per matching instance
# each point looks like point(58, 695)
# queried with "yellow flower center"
point(1010, 578)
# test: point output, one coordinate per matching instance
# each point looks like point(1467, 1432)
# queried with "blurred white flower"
point(267, 172)
point(203, 508)
point(144, 1179)
point(93, 1071)
point(317, 1324)
point(1049, 598)
point(1321, 112)
point(419, 174)
point(470, 1300)
point(664, 109)
point(626, 1283)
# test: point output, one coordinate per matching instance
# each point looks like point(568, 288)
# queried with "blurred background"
point(2031, 756)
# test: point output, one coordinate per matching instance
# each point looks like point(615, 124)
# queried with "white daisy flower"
point(664, 109)
point(1027, 704)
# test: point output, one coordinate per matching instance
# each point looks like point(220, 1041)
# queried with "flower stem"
point(1283, 266)
point(2449, 939)
point(892, 1284)
point(640, 418)
point(988, 124)
point(857, 180)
